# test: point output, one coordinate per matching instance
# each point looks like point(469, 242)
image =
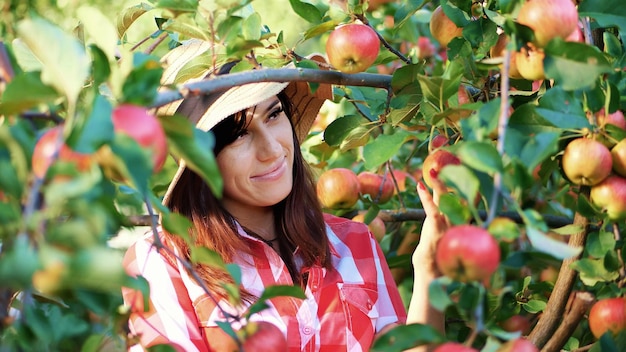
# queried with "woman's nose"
point(269, 146)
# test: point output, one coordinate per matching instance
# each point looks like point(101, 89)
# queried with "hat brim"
point(306, 104)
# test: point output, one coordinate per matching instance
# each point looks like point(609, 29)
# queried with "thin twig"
point(6, 69)
point(156, 43)
point(134, 47)
point(383, 41)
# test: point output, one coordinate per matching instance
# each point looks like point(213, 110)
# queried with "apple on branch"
point(435, 162)
point(379, 188)
point(549, 19)
point(610, 196)
point(454, 347)
point(257, 336)
point(352, 48)
point(519, 344)
point(338, 188)
point(376, 226)
point(467, 253)
point(46, 147)
point(608, 315)
point(442, 28)
point(618, 154)
point(586, 161)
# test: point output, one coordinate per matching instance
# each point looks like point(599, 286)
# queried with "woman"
point(269, 223)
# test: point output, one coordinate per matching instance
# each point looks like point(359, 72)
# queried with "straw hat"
point(224, 104)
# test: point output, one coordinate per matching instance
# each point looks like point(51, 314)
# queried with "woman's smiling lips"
point(275, 173)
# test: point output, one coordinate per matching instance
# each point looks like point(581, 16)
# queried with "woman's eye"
point(276, 112)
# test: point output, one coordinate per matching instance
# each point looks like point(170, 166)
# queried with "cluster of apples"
point(599, 162)
point(134, 121)
point(549, 19)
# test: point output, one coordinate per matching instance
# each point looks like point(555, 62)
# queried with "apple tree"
point(515, 106)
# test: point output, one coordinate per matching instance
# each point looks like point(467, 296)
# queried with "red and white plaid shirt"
point(343, 310)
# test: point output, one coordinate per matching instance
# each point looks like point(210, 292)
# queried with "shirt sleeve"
point(169, 317)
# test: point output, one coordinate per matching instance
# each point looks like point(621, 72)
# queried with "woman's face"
point(257, 166)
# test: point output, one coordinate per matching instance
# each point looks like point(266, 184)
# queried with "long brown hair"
point(299, 218)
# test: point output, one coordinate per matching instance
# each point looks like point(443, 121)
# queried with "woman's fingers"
point(427, 199)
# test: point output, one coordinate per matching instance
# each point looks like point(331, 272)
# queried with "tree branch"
point(555, 308)
point(222, 83)
point(581, 305)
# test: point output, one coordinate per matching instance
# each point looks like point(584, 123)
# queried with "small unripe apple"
point(586, 161)
point(608, 314)
point(518, 345)
point(262, 336)
point(45, 148)
point(338, 188)
point(610, 195)
point(549, 19)
point(352, 48)
point(618, 153)
point(379, 188)
point(442, 28)
point(467, 253)
point(454, 347)
point(144, 128)
point(435, 162)
point(376, 226)
point(616, 119)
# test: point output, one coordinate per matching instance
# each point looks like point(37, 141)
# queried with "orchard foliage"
point(61, 277)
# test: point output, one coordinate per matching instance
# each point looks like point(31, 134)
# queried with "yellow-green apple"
point(586, 161)
point(377, 226)
point(435, 162)
point(497, 50)
point(46, 147)
point(454, 347)
point(608, 314)
point(529, 63)
point(504, 229)
point(618, 153)
point(353, 47)
point(338, 188)
point(549, 19)
point(380, 188)
point(138, 123)
point(519, 344)
point(257, 336)
point(610, 196)
point(516, 323)
point(442, 28)
point(467, 253)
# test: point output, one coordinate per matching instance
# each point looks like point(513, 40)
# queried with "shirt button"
point(307, 330)
point(369, 305)
point(314, 287)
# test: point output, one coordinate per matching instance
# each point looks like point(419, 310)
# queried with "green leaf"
point(183, 27)
point(438, 296)
point(607, 12)
point(481, 156)
point(142, 83)
point(437, 89)
point(235, 272)
point(593, 271)
point(574, 65)
point(531, 149)
point(461, 178)
point(178, 5)
point(275, 291)
point(320, 29)
point(100, 29)
point(195, 148)
point(19, 262)
point(65, 65)
point(252, 27)
point(97, 129)
point(307, 11)
point(339, 129)
point(128, 16)
point(534, 306)
point(403, 337)
point(383, 148)
point(456, 212)
point(204, 255)
point(546, 244)
point(137, 161)
point(177, 224)
point(599, 243)
point(14, 100)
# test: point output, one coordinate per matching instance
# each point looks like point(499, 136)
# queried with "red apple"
point(518, 345)
point(610, 195)
point(338, 188)
point(516, 323)
point(467, 253)
point(436, 161)
point(425, 48)
point(380, 188)
point(454, 347)
point(352, 48)
point(608, 314)
point(136, 122)
point(576, 36)
point(438, 141)
point(45, 149)
point(262, 336)
point(375, 4)
point(616, 118)
point(529, 63)
point(586, 161)
point(442, 28)
point(618, 153)
point(549, 274)
point(376, 226)
point(401, 178)
point(549, 19)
